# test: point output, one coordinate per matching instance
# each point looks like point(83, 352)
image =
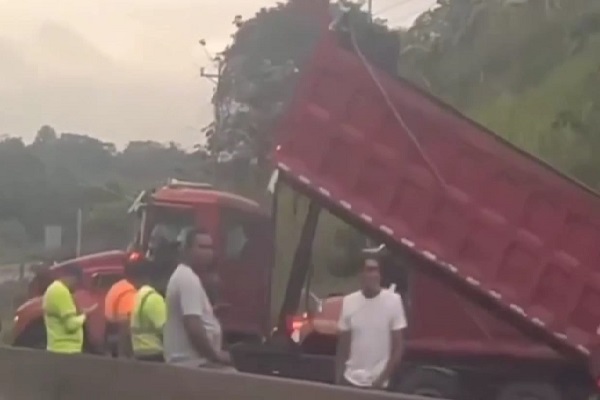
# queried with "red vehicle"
point(243, 243)
point(503, 248)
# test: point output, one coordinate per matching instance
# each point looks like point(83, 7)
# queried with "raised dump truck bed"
point(500, 226)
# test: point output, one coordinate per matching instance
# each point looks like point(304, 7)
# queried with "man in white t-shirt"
point(192, 333)
point(370, 343)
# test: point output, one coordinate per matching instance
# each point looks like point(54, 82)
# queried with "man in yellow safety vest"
point(64, 324)
point(149, 313)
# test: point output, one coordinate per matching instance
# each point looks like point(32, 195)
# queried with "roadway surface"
point(38, 375)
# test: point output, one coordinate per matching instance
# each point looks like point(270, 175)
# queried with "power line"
point(396, 113)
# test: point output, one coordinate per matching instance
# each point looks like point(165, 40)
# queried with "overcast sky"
point(121, 69)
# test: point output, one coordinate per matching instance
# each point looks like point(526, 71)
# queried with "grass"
point(526, 120)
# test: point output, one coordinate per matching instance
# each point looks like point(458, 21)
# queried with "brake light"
point(134, 256)
point(295, 324)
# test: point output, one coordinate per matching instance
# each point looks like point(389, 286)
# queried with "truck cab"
point(243, 250)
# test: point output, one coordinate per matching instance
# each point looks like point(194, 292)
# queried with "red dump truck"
point(504, 249)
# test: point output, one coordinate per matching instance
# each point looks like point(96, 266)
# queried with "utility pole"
point(370, 9)
point(215, 78)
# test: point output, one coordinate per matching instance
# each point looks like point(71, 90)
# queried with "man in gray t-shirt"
point(192, 333)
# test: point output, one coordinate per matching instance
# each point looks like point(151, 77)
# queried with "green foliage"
point(259, 71)
point(529, 72)
point(558, 119)
point(44, 183)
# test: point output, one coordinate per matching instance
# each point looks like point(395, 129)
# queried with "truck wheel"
point(433, 382)
point(529, 391)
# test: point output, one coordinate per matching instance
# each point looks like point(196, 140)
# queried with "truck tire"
point(439, 383)
point(529, 391)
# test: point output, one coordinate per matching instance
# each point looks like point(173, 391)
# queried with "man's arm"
point(199, 338)
point(63, 306)
point(394, 360)
point(398, 324)
point(192, 306)
point(341, 355)
point(343, 346)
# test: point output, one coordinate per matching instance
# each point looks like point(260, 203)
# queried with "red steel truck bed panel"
point(445, 323)
point(504, 227)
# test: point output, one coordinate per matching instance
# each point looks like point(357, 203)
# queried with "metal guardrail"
point(15, 272)
point(38, 375)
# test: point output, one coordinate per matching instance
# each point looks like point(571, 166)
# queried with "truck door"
point(245, 263)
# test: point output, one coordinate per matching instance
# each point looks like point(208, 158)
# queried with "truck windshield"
point(164, 223)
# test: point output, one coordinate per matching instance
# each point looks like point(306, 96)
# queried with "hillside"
point(528, 70)
point(558, 119)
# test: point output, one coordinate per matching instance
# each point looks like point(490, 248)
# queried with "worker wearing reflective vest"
point(118, 305)
point(149, 314)
point(64, 325)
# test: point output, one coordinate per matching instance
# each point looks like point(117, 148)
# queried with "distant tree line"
point(45, 182)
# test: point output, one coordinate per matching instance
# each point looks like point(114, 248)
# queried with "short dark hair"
point(139, 269)
point(189, 235)
point(72, 270)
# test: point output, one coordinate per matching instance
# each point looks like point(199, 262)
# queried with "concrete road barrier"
point(38, 375)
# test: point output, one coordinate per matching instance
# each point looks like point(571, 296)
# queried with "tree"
point(258, 76)
point(47, 181)
point(45, 135)
point(523, 69)
point(13, 234)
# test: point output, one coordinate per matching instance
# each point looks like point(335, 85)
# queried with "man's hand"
point(90, 309)
point(223, 357)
